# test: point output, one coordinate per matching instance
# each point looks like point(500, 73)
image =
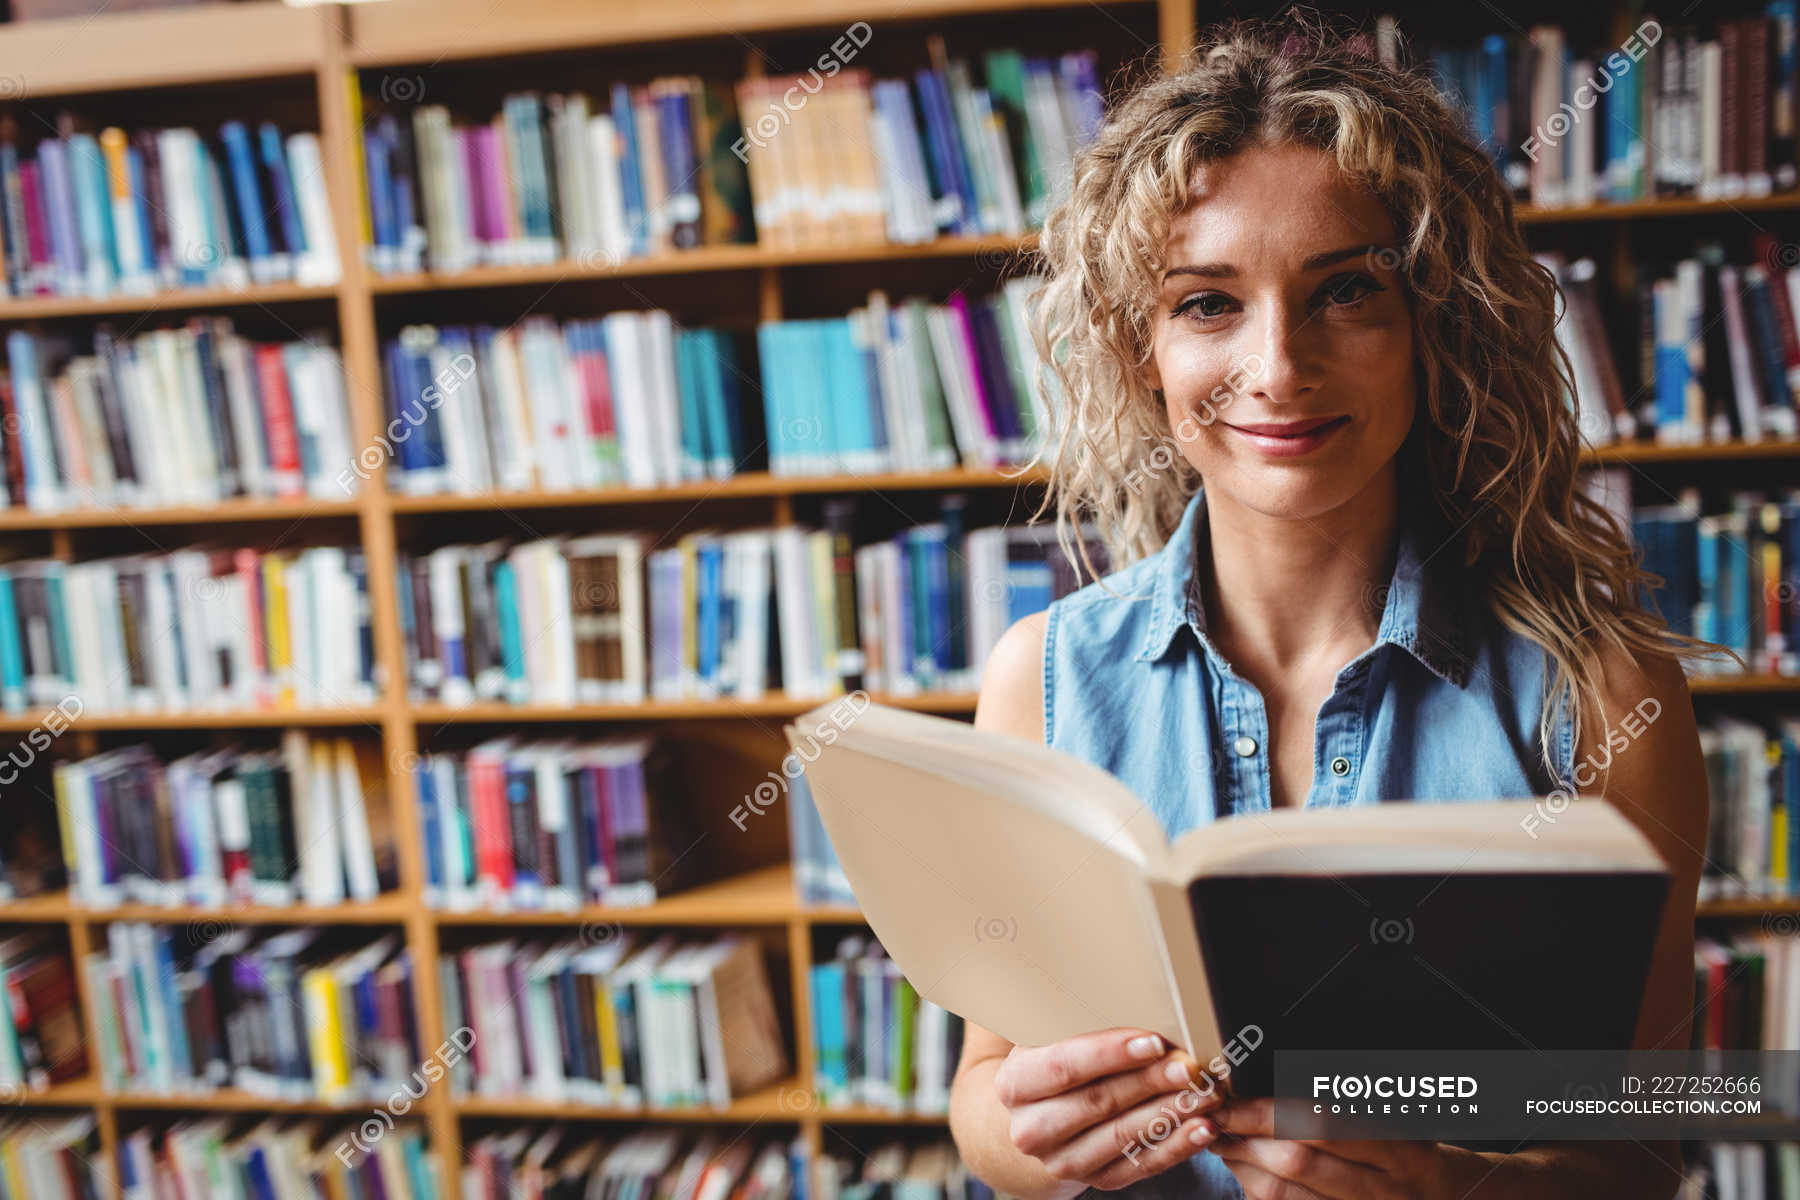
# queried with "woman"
point(1312, 397)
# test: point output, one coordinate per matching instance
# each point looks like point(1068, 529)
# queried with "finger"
point(1259, 1184)
point(1036, 1072)
point(1248, 1118)
point(1043, 1125)
point(1157, 1129)
point(1178, 1147)
point(1303, 1163)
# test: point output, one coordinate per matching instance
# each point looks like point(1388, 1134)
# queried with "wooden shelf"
point(864, 1115)
point(785, 1101)
point(1771, 906)
point(1744, 685)
point(183, 300)
point(434, 31)
point(1640, 209)
point(260, 718)
point(51, 907)
point(384, 910)
point(187, 514)
point(773, 705)
point(1627, 453)
point(165, 47)
point(79, 1093)
point(750, 484)
point(236, 1100)
point(998, 247)
point(762, 897)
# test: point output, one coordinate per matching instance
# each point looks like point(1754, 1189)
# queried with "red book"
point(278, 420)
point(37, 228)
point(493, 835)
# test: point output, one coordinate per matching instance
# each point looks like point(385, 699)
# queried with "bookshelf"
point(316, 51)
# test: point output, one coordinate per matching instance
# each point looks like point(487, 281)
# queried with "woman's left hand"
point(1324, 1170)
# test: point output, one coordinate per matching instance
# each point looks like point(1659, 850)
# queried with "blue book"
point(769, 338)
point(59, 625)
point(256, 1172)
point(408, 452)
point(418, 1172)
point(848, 399)
point(181, 1059)
point(12, 653)
point(946, 146)
point(512, 649)
point(145, 232)
point(694, 440)
point(59, 203)
point(1790, 790)
point(381, 196)
point(709, 600)
point(674, 125)
point(1671, 358)
point(281, 187)
point(93, 213)
point(242, 164)
point(832, 1078)
point(431, 828)
point(631, 177)
point(728, 395)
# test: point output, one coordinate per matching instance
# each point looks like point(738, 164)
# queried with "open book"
point(1031, 893)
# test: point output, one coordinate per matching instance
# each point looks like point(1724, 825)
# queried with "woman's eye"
point(1204, 306)
point(1347, 290)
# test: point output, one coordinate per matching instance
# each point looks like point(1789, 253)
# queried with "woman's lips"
point(1286, 439)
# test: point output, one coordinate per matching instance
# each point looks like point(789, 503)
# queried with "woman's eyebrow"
point(1227, 271)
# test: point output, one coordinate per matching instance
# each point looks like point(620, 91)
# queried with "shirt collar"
point(1423, 613)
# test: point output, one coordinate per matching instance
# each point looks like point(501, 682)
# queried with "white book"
point(960, 397)
point(515, 460)
point(353, 820)
point(608, 190)
point(319, 264)
point(657, 330)
point(800, 654)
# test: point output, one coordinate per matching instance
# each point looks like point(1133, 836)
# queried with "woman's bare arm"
point(1048, 1122)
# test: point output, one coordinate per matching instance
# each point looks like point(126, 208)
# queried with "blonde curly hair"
point(1491, 461)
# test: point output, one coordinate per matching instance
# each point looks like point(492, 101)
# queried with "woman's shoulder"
point(1012, 681)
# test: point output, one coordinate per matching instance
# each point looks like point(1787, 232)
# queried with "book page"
point(999, 913)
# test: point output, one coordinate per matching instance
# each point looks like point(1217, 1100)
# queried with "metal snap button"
point(1340, 766)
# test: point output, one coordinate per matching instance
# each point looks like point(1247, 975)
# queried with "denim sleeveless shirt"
point(1443, 707)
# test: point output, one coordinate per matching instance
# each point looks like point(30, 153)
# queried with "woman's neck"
point(1287, 595)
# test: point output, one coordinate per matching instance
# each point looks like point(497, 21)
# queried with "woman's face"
point(1284, 344)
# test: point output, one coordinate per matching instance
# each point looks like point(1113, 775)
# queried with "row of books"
point(1743, 1171)
point(1730, 571)
point(40, 1027)
point(625, 399)
point(833, 156)
point(551, 825)
point(56, 1158)
point(876, 1041)
point(1719, 343)
point(308, 822)
point(917, 386)
point(853, 158)
point(287, 1014)
point(556, 1162)
point(1676, 110)
point(196, 629)
point(929, 1170)
point(1717, 351)
point(632, 399)
point(268, 1158)
point(598, 619)
point(191, 415)
point(617, 1019)
point(1753, 777)
point(1746, 991)
point(113, 213)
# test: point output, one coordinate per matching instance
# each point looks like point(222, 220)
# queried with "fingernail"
point(1202, 1133)
point(1177, 1072)
point(1147, 1046)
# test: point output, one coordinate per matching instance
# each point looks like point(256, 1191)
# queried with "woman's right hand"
point(1107, 1109)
